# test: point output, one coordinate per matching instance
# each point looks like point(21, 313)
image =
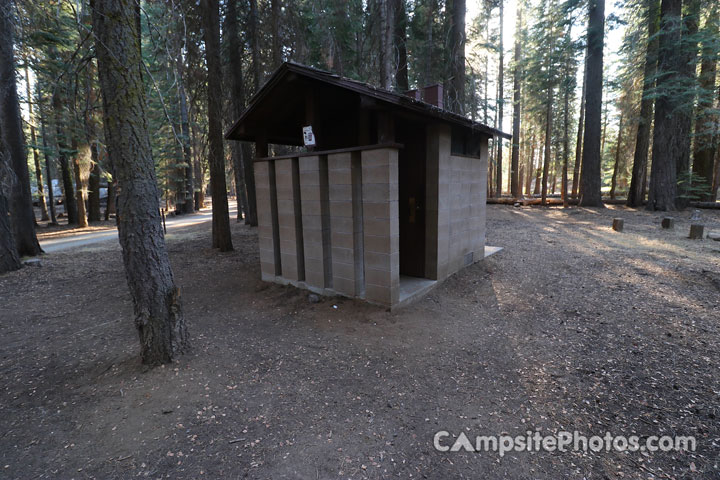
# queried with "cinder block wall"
point(456, 196)
point(381, 225)
point(330, 223)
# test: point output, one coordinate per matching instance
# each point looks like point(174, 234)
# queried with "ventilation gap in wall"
point(357, 211)
point(325, 222)
point(297, 204)
point(274, 217)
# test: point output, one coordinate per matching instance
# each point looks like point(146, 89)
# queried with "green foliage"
point(692, 186)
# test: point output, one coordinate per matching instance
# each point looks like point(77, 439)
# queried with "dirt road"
point(73, 240)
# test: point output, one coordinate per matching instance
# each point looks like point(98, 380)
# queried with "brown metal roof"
point(391, 98)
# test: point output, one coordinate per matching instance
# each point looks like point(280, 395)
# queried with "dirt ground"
point(571, 327)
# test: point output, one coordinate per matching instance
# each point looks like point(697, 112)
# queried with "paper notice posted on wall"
point(308, 136)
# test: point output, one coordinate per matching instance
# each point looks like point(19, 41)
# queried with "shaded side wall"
point(456, 197)
point(329, 222)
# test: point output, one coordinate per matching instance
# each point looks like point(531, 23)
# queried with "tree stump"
point(618, 224)
point(668, 222)
point(696, 231)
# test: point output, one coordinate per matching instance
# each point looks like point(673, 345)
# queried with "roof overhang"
point(267, 100)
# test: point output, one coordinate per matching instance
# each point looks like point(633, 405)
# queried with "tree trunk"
point(241, 153)
point(517, 78)
point(157, 305)
point(36, 156)
point(591, 157)
point(79, 186)
point(566, 128)
point(275, 24)
point(613, 184)
point(185, 204)
point(48, 171)
point(688, 79)
point(530, 166)
point(94, 185)
point(667, 146)
point(429, 46)
point(456, 93)
point(538, 175)
point(254, 44)
point(91, 137)
point(707, 118)
point(221, 237)
point(581, 126)
point(111, 199)
point(60, 138)
point(9, 259)
point(548, 141)
point(401, 76)
point(638, 181)
point(386, 43)
point(198, 170)
point(500, 104)
point(716, 177)
point(23, 216)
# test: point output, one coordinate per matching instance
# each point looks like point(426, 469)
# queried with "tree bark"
point(157, 305)
point(707, 118)
point(221, 237)
point(530, 167)
point(79, 186)
point(591, 157)
point(517, 79)
point(566, 122)
point(276, 41)
point(241, 153)
point(48, 170)
point(638, 181)
point(94, 185)
point(456, 95)
point(688, 79)
point(186, 171)
point(500, 105)
point(23, 216)
point(198, 169)
point(36, 155)
point(60, 138)
point(613, 183)
point(401, 76)
point(667, 146)
point(538, 174)
point(9, 259)
point(110, 202)
point(548, 145)
point(91, 138)
point(254, 44)
point(581, 126)
point(386, 43)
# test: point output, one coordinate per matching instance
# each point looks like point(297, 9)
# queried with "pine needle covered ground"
point(571, 327)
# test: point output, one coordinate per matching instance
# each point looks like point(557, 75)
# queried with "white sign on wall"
point(308, 136)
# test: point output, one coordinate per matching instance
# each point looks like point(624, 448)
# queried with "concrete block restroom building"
point(382, 194)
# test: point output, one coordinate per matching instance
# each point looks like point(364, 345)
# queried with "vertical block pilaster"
point(316, 220)
point(437, 194)
point(343, 242)
point(381, 227)
point(268, 234)
point(290, 219)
